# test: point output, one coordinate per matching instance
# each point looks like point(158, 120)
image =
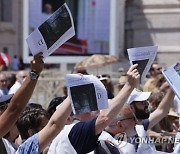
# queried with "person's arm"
point(162, 109)
point(106, 116)
point(21, 98)
point(55, 124)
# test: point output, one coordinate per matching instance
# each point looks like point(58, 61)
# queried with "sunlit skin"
point(156, 70)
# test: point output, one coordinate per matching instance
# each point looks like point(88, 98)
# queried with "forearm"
point(162, 109)
point(17, 105)
point(55, 124)
point(167, 102)
point(115, 105)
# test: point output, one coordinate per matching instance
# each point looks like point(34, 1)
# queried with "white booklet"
point(172, 75)
point(55, 31)
point(144, 57)
point(87, 93)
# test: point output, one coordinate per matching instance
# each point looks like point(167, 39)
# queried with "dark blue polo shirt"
point(82, 136)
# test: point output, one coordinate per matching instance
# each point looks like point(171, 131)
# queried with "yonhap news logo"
point(121, 140)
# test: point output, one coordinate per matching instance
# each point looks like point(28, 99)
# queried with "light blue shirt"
point(30, 146)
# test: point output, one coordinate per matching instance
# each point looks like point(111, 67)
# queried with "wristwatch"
point(33, 75)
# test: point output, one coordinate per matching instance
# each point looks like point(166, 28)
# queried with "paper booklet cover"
point(144, 57)
point(55, 31)
point(87, 93)
point(172, 75)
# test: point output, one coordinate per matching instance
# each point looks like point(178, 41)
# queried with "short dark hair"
point(54, 103)
point(35, 106)
point(30, 119)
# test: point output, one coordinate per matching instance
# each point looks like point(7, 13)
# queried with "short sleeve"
point(82, 136)
point(31, 145)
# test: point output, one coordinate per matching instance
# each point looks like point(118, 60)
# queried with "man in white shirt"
point(3, 84)
point(135, 119)
point(21, 75)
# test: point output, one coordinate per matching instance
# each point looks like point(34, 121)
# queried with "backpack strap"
point(105, 146)
point(2, 147)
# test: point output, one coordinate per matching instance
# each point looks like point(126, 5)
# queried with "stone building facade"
point(154, 22)
point(11, 26)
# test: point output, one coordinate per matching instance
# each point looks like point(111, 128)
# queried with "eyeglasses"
point(128, 119)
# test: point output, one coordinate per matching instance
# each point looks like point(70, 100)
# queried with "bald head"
point(125, 113)
point(21, 75)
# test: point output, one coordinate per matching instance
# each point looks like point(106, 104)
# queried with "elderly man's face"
point(3, 81)
point(128, 121)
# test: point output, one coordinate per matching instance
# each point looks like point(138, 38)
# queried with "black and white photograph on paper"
point(87, 93)
point(84, 98)
point(56, 26)
point(144, 57)
point(52, 33)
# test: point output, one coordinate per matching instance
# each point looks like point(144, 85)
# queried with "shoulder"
point(82, 136)
point(81, 127)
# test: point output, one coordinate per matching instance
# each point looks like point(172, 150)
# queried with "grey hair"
point(120, 116)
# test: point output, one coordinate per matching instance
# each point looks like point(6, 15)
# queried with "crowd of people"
point(6, 63)
point(137, 111)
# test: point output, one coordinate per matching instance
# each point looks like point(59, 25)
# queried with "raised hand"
point(133, 76)
point(37, 63)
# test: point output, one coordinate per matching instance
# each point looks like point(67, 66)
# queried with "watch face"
point(33, 75)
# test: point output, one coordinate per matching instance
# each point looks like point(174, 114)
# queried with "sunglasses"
point(141, 102)
point(3, 81)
